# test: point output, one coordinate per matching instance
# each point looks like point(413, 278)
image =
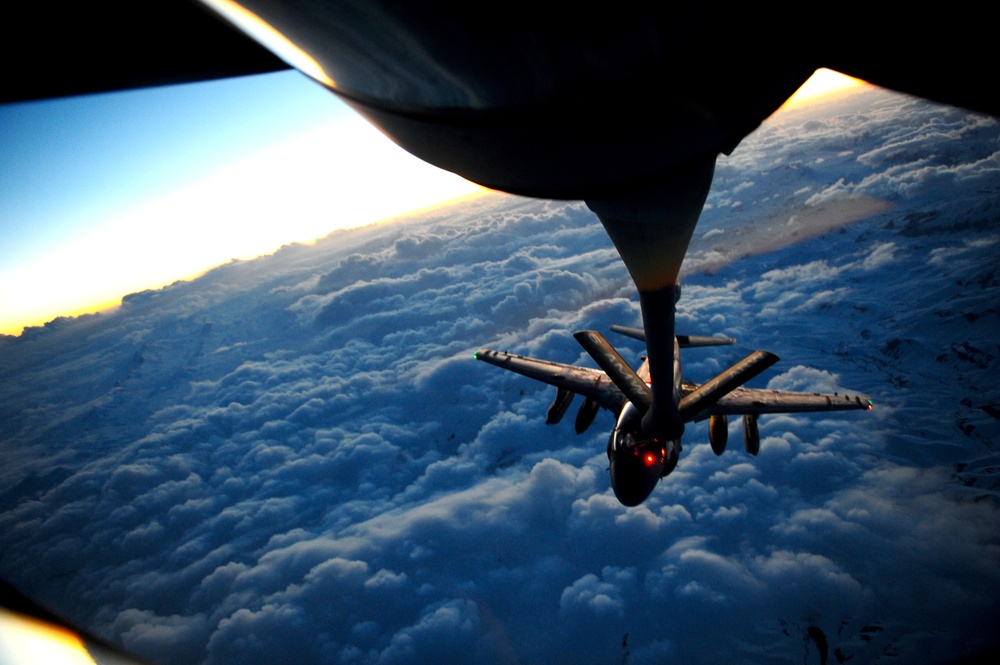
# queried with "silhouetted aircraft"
point(637, 460)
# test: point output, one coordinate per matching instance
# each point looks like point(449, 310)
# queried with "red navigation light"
point(650, 459)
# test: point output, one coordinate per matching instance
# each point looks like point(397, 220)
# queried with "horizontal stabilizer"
point(634, 333)
point(683, 341)
point(619, 371)
point(690, 341)
point(712, 391)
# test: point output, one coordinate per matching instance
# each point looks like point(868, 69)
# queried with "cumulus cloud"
point(806, 379)
point(599, 596)
point(297, 459)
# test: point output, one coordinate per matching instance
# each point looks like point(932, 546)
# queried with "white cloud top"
point(295, 459)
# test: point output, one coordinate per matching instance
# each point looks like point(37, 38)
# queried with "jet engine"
point(637, 461)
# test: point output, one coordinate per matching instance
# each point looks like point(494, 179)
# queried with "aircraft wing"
point(755, 401)
point(113, 45)
point(591, 383)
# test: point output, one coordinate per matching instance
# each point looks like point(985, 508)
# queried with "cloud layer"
point(296, 458)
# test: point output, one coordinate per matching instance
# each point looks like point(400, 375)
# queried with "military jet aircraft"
point(638, 461)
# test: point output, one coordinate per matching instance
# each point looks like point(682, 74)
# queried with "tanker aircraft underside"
point(637, 459)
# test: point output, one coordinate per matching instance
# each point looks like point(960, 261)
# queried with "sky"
point(296, 459)
point(212, 171)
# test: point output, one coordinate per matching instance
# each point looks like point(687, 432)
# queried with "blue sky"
point(211, 171)
point(107, 152)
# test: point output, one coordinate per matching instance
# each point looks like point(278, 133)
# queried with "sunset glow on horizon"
point(116, 233)
point(339, 174)
point(823, 82)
